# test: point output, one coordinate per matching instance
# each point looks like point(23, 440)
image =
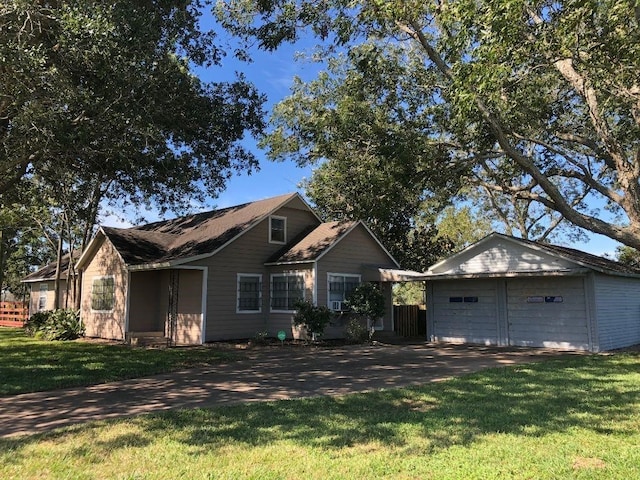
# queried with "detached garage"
point(504, 290)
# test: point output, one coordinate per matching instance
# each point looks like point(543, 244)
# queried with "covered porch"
point(166, 305)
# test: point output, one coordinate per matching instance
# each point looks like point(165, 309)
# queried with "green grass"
point(570, 417)
point(30, 365)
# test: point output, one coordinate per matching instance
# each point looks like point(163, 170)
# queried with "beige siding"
point(106, 262)
point(284, 320)
point(617, 302)
point(247, 254)
point(189, 322)
point(65, 300)
point(148, 301)
point(354, 252)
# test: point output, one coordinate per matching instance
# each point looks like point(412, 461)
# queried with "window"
point(286, 290)
point(42, 298)
point(340, 286)
point(103, 294)
point(277, 229)
point(249, 292)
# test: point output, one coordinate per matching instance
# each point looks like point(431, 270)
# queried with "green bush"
point(315, 319)
point(367, 300)
point(55, 325)
point(356, 330)
point(36, 322)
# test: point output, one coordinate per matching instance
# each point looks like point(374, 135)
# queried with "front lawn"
point(30, 365)
point(571, 417)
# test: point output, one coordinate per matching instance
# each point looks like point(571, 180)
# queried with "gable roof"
point(316, 242)
point(48, 272)
point(188, 238)
point(576, 257)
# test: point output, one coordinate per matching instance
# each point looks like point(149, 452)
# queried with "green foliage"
point(356, 330)
point(627, 255)
point(532, 103)
point(61, 324)
point(408, 293)
point(367, 300)
point(100, 100)
point(36, 322)
point(312, 317)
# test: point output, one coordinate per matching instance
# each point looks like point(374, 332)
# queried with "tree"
point(627, 255)
point(104, 93)
point(536, 101)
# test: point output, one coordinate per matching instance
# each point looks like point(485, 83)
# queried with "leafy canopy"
point(534, 101)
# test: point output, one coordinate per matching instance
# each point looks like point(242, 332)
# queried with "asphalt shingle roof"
point(189, 236)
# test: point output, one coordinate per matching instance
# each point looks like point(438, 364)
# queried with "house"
point(508, 291)
point(41, 285)
point(226, 274)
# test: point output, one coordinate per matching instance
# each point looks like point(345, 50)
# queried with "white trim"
point(284, 221)
point(101, 277)
point(127, 308)
point(205, 289)
point(46, 296)
point(338, 274)
point(314, 279)
point(260, 299)
point(296, 273)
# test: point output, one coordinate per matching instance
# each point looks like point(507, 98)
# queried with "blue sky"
point(272, 73)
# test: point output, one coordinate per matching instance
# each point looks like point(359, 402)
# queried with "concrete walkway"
point(268, 374)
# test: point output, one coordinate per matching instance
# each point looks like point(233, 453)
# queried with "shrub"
point(356, 330)
point(368, 301)
point(55, 325)
point(315, 319)
point(35, 323)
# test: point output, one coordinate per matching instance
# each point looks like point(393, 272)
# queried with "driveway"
point(266, 374)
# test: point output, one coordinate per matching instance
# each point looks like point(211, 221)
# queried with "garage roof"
point(502, 255)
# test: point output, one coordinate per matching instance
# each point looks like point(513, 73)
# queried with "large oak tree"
point(533, 100)
point(104, 92)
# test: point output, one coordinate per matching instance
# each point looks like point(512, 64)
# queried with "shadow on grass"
point(599, 393)
point(31, 365)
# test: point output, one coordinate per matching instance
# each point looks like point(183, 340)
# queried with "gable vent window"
point(277, 229)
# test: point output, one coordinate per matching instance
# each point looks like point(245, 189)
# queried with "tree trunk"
point(56, 283)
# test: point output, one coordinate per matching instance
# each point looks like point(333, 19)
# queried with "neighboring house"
point(508, 291)
point(42, 286)
point(226, 274)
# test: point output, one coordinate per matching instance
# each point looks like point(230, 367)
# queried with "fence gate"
point(410, 320)
point(13, 314)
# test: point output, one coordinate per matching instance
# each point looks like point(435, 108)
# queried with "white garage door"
point(547, 312)
point(465, 311)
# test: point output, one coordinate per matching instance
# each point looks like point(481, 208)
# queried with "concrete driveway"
point(266, 374)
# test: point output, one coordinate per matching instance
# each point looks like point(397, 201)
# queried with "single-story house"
point(226, 274)
point(509, 291)
point(42, 286)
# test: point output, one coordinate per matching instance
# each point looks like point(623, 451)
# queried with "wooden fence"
point(13, 314)
point(410, 320)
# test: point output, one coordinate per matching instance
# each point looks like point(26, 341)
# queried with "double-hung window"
point(42, 298)
point(340, 287)
point(249, 293)
point(103, 294)
point(277, 229)
point(286, 290)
